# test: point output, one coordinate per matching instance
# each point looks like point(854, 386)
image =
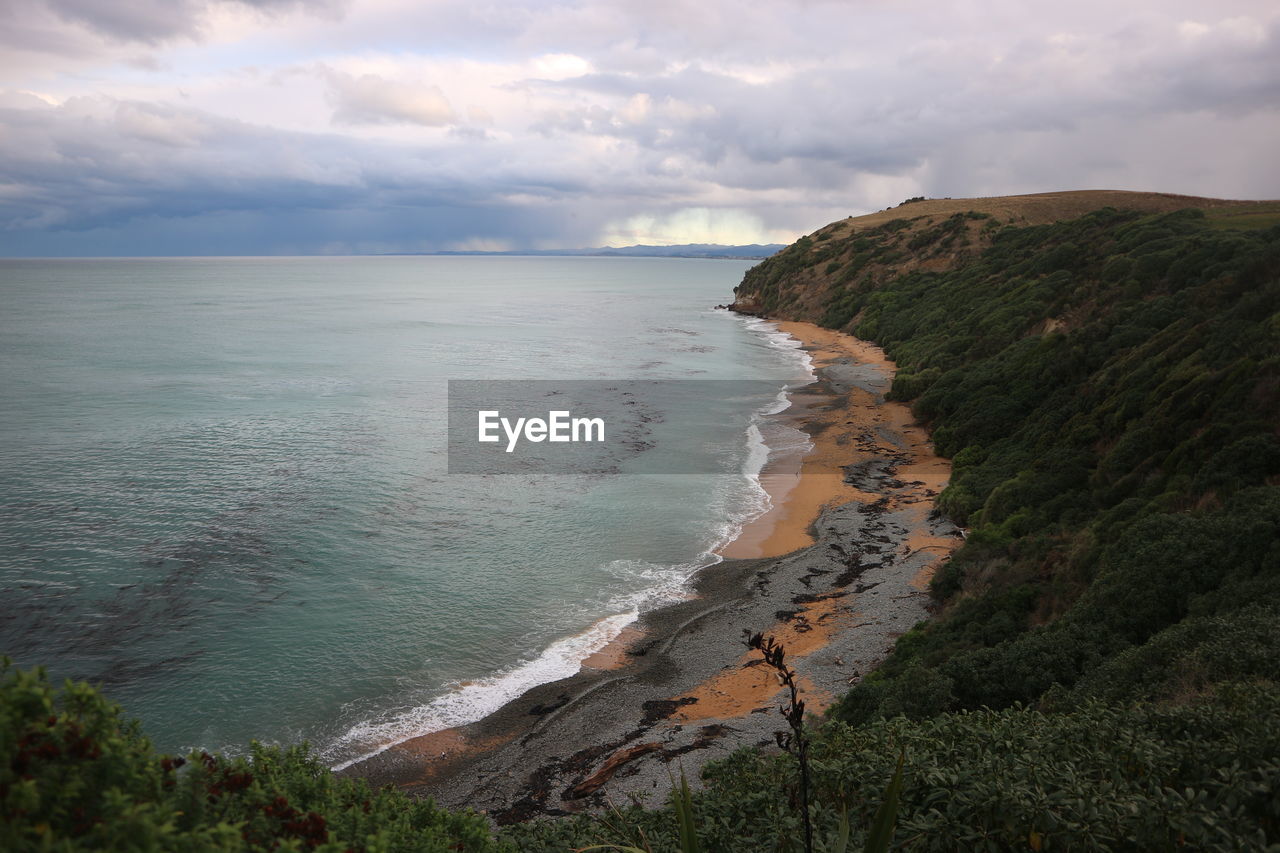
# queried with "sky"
point(215, 127)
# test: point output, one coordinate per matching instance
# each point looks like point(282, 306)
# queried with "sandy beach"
point(835, 570)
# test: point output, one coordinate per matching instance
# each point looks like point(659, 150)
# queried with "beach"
point(836, 570)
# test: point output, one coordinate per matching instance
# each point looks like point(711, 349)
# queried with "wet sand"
point(835, 571)
point(615, 654)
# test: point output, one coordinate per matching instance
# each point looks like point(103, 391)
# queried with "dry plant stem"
point(796, 742)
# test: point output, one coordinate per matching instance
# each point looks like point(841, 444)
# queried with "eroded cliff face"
point(824, 277)
point(810, 279)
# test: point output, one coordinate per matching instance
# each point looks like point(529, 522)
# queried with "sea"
point(225, 497)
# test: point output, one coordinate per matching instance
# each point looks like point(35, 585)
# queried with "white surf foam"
point(784, 342)
point(780, 440)
point(466, 703)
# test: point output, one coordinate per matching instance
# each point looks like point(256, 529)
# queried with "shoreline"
point(835, 570)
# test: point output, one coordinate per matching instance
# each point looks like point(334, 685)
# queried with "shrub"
point(75, 775)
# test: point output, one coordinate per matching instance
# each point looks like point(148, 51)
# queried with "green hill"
point(934, 235)
point(1109, 389)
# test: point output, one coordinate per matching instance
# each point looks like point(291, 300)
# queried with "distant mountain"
point(688, 250)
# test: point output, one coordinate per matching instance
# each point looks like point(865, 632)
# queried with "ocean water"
point(223, 487)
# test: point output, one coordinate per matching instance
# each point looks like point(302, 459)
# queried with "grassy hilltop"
point(1104, 668)
point(934, 235)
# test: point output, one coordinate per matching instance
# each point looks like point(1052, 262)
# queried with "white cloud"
point(155, 21)
point(370, 99)
point(169, 127)
point(727, 226)
point(560, 66)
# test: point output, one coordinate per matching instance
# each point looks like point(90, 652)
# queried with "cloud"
point(436, 122)
point(133, 20)
point(162, 125)
point(154, 21)
point(371, 99)
point(481, 244)
point(97, 175)
point(730, 227)
point(891, 119)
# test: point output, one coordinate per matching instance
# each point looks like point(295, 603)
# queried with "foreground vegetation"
point(1195, 777)
point(1199, 776)
point(1104, 671)
point(76, 775)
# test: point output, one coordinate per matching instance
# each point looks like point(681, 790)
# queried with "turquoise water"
point(223, 491)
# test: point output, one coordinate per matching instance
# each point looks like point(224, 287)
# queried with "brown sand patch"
point(939, 547)
point(923, 473)
point(797, 503)
point(749, 684)
point(434, 745)
point(435, 753)
point(827, 345)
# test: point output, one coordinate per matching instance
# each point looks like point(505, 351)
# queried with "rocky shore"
point(682, 689)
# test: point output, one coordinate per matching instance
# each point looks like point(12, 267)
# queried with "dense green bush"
point(1183, 661)
point(1198, 776)
point(1109, 390)
point(74, 775)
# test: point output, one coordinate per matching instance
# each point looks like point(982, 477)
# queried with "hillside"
point(1039, 208)
point(1109, 389)
point(935, 235)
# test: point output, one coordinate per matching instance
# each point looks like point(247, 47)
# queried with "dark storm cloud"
point(97, 166)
